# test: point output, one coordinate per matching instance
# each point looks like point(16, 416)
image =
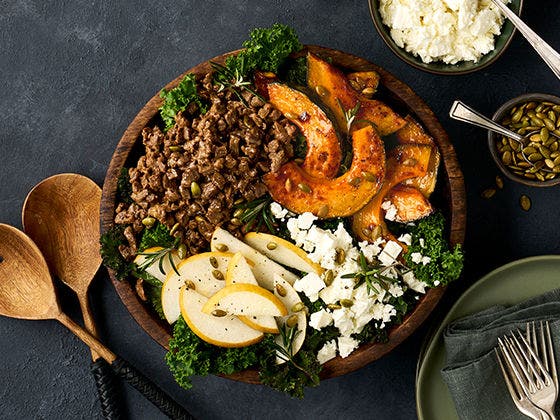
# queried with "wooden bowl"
point(449, 197)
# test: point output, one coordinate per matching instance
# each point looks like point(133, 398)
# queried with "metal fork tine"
point(514, 391)
point(544, 353)
point(522, 360)
point(532, 354)
point(553, 371)
point(511, 364)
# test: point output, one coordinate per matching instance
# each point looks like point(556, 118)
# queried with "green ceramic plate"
point(501, 43)
point(507, 285)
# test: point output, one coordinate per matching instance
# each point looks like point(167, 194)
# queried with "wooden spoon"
point(27, 292)
point(61, 215)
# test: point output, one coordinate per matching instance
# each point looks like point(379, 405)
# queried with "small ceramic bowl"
point(493, 138)
point(501, 43)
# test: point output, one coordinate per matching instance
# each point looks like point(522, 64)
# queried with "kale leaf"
point(157, 235)
point(112, 258)
point(178, 99)
point(124, 188)
point(189, 355)
point(266, 50)
point(295, 71)
point(428, 239)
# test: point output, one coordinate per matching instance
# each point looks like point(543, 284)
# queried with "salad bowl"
point(449, 197)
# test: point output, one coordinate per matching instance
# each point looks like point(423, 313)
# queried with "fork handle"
point(547, 53)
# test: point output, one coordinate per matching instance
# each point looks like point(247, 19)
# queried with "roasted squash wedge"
point(410, 203)
point(337, 94)
point(300, 192)
point(323, 147)
point(403, 162)
point(413, 133)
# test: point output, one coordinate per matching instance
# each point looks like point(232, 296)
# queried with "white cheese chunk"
point(327, 352)
point(310, 284)
point(320, 319)
point(346, 345)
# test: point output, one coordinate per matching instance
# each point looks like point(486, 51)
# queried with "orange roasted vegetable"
point(413, 133)
point(323, 147)
point(335, 91)
point(300, 192)
point(403, 162)
point(410, 203)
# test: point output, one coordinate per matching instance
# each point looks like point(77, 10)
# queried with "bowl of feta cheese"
point(446, 37)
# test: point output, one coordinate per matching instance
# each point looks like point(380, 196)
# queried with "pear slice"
point(226, 331)
point(245, 299)
point(239, 271)
point(285, 292)
point(203, 271)
point(153, 269)
point(264, 268)
point(282, 251)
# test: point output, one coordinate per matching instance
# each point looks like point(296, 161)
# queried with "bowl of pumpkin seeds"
point(536, 161)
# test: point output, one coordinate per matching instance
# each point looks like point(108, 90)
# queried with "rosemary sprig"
point(152, 257)
point(233, 81)
point(284, 350)
point(372, 274)
point(349, 114)
point(257, 212)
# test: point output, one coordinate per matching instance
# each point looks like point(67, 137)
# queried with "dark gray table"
point(74, 74)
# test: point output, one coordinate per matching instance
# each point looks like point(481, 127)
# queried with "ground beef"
point(224, 151)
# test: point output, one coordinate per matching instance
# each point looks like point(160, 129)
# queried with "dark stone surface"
point(74, 74)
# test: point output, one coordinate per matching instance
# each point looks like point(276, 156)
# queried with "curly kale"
point(124, 187)
point(266, 50)
point(112, 258)
point(295, 71)
point(428, 239)
point(179, 98)
point(158, 235)
point(190, 356)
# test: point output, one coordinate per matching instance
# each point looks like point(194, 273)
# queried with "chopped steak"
point(224, 151)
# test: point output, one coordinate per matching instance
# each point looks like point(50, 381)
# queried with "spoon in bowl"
point(61, 215)
point(27, 292)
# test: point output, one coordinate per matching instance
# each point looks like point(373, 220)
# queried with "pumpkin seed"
point(199, 218)
point(174, 229)
point(347, 303)
point(333, 306)
point(219, 313)
point(174, 148)
point(410, 162)
point(238, 201)
point(544, 151)
point(281, 290)
point(366, 232)
point(506, 158)
point(323, 211)
point(517, 116)
point(304, 187)
point(488, 193)
point(190, 285)
point(533, 157)
point(195, 189)
point(525, 202)
point(298, 307)
point(539, 176)
point(238, 213)
point(368, 176)
point(328, 277)
point(298, 161)
point(148, 221)
point(549, 123)
point(550, 176)
point(288, 185)
point(221, 247)
point(529, 150)
point(236, 221)
point(340, 255)
point(321, 90)
point(218, 275)
point(271, 246)
point(182, 251)
point(355, 181)
point(292, 321)
point(368, 92)
point(355, 85)
point(499, 182)
point(557, 161)
point(556, 169)
point(529, 175)
point(213, 262)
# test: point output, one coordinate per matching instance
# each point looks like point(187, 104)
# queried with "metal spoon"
point(61, 215)
point(547, 53)
point(27, 292)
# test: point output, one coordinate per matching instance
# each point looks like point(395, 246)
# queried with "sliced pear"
point(201, 270)
point(239, 271)
point(264, 268)
point(292, 301)
point(245, 299)
point(282, 251)
point(226, 331)
point(154, 269)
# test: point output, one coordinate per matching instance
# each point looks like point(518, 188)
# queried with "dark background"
point(73, 74)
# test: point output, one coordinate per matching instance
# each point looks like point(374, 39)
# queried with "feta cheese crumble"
point(443, 30)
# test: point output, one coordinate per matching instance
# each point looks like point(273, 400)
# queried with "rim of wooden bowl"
point(453, 192)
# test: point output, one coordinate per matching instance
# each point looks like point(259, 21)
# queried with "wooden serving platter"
point(450, 192)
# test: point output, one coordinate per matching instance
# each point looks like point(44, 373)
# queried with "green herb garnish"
point(256, 213)
point(178, 99)
point(372, 275)
point(232, 80)
point(349, 114)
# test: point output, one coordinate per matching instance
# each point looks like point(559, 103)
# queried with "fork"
point(519, 397)
point(544, 351)
point(529, 371)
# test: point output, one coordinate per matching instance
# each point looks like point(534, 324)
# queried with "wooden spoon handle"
point(150, 390)
point(88, 321)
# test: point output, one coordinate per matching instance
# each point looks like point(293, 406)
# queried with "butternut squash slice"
point(323, 147)
point(335, 91)
point(413, 133)
point(300, 192)
point(403, 162)
point(410, 203)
